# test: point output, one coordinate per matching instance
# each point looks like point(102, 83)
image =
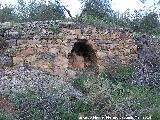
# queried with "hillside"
point(58, 70)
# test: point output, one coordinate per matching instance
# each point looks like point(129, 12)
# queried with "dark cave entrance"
point(82, 55)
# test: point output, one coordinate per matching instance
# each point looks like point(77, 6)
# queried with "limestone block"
point(21, 42)
point(120, 46)
point(129, 35)
point(60, 64)
point(130, 41)
point(126, 52)
point(42, 49)
point(110, 54)
point(49, 41)
point(94, 36)
point(84, 37)
point(133, 49)
point(114, 35)
point(78, 31)
point(132, 56)
point(43, 65)
point(28, 51)
point(18, 60)
point(54, 50)
point(112, 46)
point(36, 38)
point(101, 54)
point(71, 37)
point(31, 59)
point(72, 32)
point(101, 65)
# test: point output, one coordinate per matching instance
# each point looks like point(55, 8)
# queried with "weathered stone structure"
point(70, 48)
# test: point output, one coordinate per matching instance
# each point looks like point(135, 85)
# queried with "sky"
point(118, 5)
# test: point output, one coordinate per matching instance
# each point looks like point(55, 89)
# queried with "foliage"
point(31, 11)
point(149, 22)
point(53, 30)
point(78, 83)
point(96, 8)
point(39, 11)
point(120, 98)
point(5, 116)
point(124, 73)
point(7, 13)
point(156, 31)
point(101, 97)
point(76, 109)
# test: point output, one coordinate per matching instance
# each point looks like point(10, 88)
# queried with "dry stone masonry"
point(72, 47)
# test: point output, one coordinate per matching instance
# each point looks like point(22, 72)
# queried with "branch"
point(69, 13)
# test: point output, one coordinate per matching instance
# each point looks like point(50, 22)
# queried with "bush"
point(73, 110)
point(124, 74)
point(78, 83)
point(156, 31)
point(53, 30)
point(120, 98)
point(5, 116)
point(102, 97)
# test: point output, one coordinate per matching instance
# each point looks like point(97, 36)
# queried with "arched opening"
point(82, 55)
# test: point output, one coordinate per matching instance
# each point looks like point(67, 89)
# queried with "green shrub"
point(25, 96)
point(89, 19)
point(73, 110)
point(34, 114)
point(156, 31)
point(5, 116)
point(135, 98)
point(53, 30)
point(123, 73)
point(64, 114)
point(24, 100)
point(78, 83)
point(120, 98)
point(80, 107)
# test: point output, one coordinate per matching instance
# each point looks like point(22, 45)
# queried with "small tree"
point(96, 8)
point(149, 22)
point(39, 11)
point(7, 13)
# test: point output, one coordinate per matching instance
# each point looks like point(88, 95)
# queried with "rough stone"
point(5, 61)
point(28, 51)
point(18, 60)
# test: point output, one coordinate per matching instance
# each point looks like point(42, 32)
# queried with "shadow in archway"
point(82, 55)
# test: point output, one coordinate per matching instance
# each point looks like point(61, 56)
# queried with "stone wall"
point(54, 53)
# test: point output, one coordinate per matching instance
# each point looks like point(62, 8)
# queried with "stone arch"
point(82, 55)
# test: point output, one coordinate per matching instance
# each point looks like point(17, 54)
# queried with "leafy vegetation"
point(79, 83)
point(31, 11)
point(102, 97)
point(53, 30)
point(76, 109)
point(94, 12)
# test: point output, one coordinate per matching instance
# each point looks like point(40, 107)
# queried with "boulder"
point(5, 61)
